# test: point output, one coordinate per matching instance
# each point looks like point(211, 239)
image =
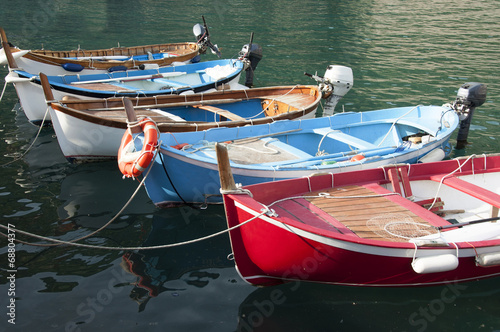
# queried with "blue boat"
point(185, 167)
point(190, 78)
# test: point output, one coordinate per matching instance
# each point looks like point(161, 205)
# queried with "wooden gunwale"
point(128, 51)
point(277, 93)
point(183, 51)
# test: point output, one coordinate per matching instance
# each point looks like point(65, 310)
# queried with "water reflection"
point(191, 265)
point(92, 194)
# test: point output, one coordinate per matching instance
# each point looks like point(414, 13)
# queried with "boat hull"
point(302, 256)
point(82, 142)
point(101, 61)
point(85, 134)
point(32, 99)
point(179, 178)
point(288, 245)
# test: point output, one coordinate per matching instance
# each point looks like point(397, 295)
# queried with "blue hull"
point(378, 137)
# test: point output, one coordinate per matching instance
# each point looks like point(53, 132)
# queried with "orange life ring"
point(132, 163)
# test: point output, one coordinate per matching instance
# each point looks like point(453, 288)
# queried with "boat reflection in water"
point(191, 265)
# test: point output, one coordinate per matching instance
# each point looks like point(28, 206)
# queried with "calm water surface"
point(402, 53)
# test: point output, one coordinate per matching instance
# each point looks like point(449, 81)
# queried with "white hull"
point(80, 139)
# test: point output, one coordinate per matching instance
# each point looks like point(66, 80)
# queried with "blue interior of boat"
point(196, 69)
point(317, 142)
point(247, 109)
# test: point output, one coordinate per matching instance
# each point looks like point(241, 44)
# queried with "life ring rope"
point(130, 162)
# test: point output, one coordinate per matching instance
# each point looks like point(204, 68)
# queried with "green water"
point(401, 52)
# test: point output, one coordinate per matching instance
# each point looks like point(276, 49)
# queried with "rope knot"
point(238, 191)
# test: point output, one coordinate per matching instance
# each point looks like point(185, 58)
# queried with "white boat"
point(182, 79)
point(90, 130)
point(98, 61)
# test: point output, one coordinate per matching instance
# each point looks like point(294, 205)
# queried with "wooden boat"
point(104, 60)
point(195, 77)
point(289, 149)
point(400, 225)
point(92, 129)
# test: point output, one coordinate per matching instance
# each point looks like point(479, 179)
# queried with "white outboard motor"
point(203, 38)
point(336, 82)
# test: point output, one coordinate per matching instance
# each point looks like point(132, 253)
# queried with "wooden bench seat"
point(480, 193)
point(221, 112)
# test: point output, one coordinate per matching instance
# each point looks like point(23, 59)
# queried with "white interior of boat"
point(218, 72)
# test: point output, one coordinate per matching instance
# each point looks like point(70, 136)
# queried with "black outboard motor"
point(203, 38)
point(253, 53)
point(469, 96)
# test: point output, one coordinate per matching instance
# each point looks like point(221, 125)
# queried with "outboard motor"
point(469, 96)
point(203, 38)
point(334, 85)
point(253, 53)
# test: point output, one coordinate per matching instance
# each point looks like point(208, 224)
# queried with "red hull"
point(271, 250)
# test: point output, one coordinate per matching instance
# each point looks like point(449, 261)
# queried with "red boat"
point(401, 225)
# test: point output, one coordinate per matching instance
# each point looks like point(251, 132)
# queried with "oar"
point(260, 136)
point(133, 78)
point(6, 49)
point(467, 223)
point(131, 117)
point(225, 174)
point(334, 156)
point(47, 90)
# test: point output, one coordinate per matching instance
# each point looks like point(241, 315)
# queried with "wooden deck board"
point(362, 221)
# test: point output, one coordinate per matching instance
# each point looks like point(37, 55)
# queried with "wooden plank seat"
point(480, 193)
point(303, 210)
point(224, 114)
point(337, 210)
point(352, 141)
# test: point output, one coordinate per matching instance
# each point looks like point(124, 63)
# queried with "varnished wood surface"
point(359, 210)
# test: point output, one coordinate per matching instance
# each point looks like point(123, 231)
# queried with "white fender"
point(433, 264)
point(489, 259)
